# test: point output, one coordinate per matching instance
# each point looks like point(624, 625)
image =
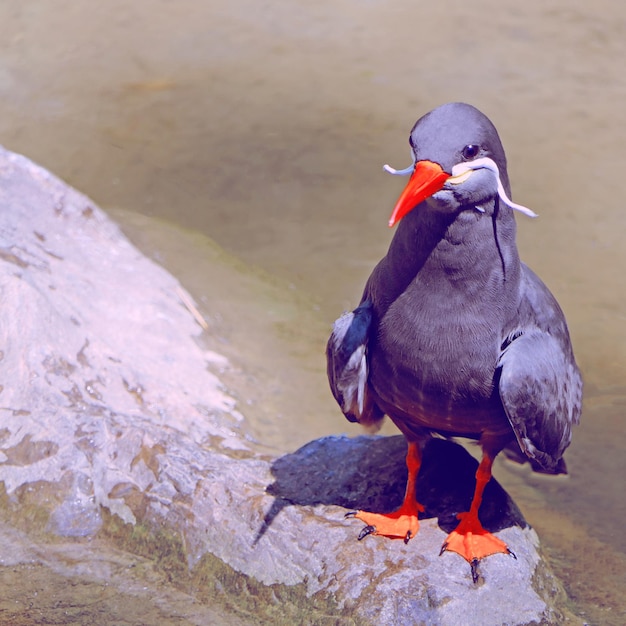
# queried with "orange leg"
point(401, 524)
point(470, 539)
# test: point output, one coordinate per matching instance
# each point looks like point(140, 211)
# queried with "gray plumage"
point(458, 336)
point(348, 366)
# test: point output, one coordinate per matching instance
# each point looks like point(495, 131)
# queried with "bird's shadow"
point(369, 473)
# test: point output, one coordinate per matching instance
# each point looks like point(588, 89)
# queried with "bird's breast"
point(433, 360)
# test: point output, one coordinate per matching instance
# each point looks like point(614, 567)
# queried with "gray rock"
point(111, 417)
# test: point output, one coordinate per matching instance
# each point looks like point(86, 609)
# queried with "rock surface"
point(112, 416)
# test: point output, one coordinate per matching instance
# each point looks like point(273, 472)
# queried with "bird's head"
point(458, 162)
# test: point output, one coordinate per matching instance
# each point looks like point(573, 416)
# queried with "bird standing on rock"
point(454, 335)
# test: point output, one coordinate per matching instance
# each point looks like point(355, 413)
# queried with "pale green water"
point(265, 127)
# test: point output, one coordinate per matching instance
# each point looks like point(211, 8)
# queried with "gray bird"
point(454, 335)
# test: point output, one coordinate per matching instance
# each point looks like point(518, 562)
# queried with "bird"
point(454, 336)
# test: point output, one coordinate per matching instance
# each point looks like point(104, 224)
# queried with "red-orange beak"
point(427, 178)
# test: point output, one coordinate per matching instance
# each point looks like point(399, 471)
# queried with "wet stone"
point(113, 424)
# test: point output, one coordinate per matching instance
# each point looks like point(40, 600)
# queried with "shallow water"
point(267, 128)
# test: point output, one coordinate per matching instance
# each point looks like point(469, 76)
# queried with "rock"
point(114, 423)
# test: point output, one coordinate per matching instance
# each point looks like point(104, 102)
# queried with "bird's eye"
point(470, 151)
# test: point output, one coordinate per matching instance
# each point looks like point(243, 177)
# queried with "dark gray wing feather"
point(541, 391)
point(347, 365)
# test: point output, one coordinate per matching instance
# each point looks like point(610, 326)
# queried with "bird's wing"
point(540, 384)
point(347, 365)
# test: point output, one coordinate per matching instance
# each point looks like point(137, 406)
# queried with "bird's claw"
point(367, 530)
point(401, 524)
point(474, 566)
point(474, 562)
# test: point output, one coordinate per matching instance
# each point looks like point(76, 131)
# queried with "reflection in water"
point(268, 132)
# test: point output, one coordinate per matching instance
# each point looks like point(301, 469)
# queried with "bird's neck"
point(475, 246)
point(468, 251)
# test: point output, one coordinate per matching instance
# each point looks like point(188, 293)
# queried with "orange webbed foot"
point(471, 541)
point(401, 524)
